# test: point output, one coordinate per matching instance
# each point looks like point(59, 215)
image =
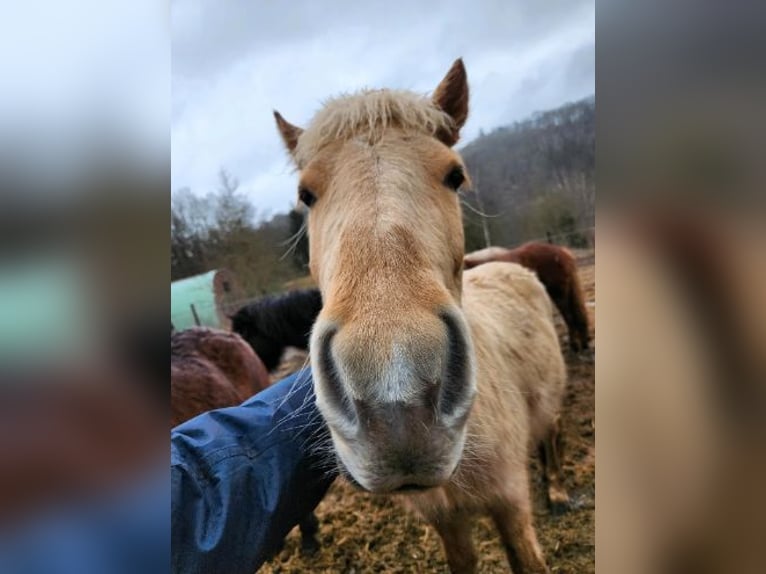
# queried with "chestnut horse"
point(556, 267)
point(211, 369)
point(435, 384)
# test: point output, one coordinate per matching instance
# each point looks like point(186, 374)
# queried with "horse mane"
point(368, 113)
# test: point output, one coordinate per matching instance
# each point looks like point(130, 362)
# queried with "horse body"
point(211, 369)
point(556, 267)
point(523, 360)
point(434, 383)
point(521, 377)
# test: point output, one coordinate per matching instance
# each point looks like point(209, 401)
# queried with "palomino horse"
point(556, 267)
point(433, 383)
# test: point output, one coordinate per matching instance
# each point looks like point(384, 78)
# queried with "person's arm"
point(242, 477)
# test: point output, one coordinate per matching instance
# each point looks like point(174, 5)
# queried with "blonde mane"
point(368, 113)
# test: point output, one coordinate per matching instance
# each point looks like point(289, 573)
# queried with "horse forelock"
point(367, 115)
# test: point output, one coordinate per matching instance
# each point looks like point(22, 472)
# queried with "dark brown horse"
point(556, 268)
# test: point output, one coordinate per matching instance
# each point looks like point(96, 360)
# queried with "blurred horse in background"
point(556, 268)
point(275, 322)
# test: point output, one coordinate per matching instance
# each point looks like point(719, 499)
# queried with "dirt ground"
point(360, 533)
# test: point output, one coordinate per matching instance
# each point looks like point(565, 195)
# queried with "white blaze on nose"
point(400, 378)
point(398, 382)
point(403, 380)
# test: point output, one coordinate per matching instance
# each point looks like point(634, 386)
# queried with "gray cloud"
point(234, 62)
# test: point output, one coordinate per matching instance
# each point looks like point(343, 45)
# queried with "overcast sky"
point(83, 81)
point(233, 62)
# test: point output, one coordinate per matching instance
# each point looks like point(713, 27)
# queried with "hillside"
point(534, 177)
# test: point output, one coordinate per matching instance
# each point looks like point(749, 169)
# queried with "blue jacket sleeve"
point(242, 477)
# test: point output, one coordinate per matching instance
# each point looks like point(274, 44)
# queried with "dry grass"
point(362, 533)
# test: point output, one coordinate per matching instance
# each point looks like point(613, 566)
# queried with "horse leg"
point(568, 313)
point(584, 337)
point(513, 519)
point(550, 455)
point(561, 298)
point(309, 528)
point(579, 333)
point(455, 532)
point(577, 322)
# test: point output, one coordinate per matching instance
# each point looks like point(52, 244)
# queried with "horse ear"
point(451, 96)
point(288, 131)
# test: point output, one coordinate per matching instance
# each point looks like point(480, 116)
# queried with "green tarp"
point(199, 292)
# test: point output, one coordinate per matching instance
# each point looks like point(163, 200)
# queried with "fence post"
point(194, 314)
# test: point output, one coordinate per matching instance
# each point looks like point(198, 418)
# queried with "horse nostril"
point(455, 383)
point(333, 386)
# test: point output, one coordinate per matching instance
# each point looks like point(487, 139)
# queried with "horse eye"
point(455, 178)
point(306, 196)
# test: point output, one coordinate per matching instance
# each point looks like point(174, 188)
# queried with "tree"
point(552, 152)
point(224, 230)
point(187, 235)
